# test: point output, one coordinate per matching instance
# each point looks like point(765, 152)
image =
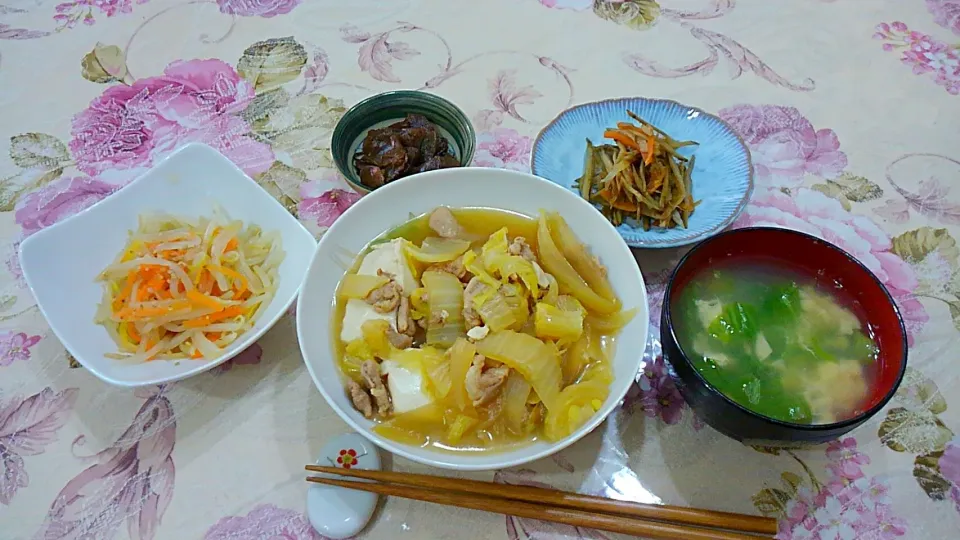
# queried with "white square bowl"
point(61, 263)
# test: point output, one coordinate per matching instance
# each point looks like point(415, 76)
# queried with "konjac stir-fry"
point(187, 289)
point(477, 329)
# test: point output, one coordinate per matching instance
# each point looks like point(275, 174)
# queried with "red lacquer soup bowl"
point(807, 256)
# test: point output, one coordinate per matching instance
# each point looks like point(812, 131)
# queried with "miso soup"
point(778, 343)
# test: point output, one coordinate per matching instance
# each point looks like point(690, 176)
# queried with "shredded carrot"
point(182, 290)
point(623, 138)
point(203, 300)
point(607, 195)
point(240, 282)
point(132, 332)
point(121, 298)
point(227, 313)
point(132, 314)
point(651, 149)
point(206, 281)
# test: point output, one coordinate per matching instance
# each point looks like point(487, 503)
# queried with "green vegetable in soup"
point(863, 349)
point(781, 349)
point(736, 322)
point(782, 304)
point(757, 387)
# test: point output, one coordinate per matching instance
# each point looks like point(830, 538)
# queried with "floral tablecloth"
point(851, 111)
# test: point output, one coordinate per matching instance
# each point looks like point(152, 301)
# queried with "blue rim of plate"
point(641, 238)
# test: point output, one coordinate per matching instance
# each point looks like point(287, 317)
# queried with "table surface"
point(849, 107)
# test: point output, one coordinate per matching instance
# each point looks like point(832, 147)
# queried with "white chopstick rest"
point(337, 512)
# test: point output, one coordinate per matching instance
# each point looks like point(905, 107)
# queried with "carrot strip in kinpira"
point(644, 178)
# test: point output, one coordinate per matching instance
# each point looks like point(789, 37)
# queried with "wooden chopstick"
point(577, 518)
point(567, 503)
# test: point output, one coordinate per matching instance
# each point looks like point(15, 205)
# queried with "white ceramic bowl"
point(60, 263)
point(392, 205)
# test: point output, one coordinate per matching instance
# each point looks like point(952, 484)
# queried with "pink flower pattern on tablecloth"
point(925, 54)
point(257, 8)
point(27, 427)
point(656, 283)
point(59, 200)
point(13, 266)
point(264, 521)
point(659, 396)
point(812, 212)
point(950, 469)
point(849, 506)
point(68, 14)
point(250, 356)
point(575, 5)
point(845, 459)
point(946, 13)
point(503, 148)
point(131, 482)
point(326, 208)
point(128, 128)
point(784, 144)
point(15, 346)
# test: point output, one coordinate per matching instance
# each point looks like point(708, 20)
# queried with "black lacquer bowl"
point(807, 255)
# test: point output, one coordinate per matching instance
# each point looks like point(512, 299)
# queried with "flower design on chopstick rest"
point(15, 346)
point(534, 529)
point(849, 504)
point(27, 427)
point(925, 54)
point(346, 458)
point(132, 481)
point(262, 522)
